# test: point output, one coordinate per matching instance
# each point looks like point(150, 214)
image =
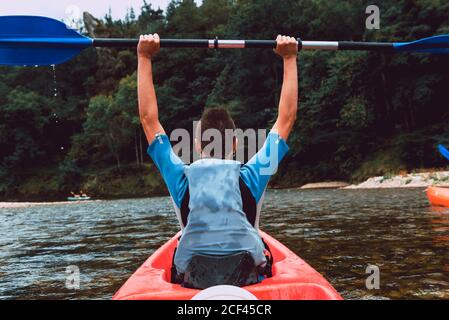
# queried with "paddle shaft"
point(240, 44)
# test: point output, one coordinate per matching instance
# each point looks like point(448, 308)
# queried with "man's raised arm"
point(287, 48)
point(148, 110)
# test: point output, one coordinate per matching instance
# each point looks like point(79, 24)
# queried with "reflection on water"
point(339, 232)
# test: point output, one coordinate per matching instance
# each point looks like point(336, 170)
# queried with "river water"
point(338, 232)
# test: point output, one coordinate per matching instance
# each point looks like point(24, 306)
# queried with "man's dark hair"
point(221, 120)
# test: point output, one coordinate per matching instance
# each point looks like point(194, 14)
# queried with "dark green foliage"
point(355, 106)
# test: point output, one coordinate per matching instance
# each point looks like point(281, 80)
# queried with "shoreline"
point(410, 180)
point(325, 185)
point(24, 204)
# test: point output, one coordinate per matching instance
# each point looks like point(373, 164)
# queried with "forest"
point(75, 126)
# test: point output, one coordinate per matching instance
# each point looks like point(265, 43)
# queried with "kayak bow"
point(293, 279)
point(438, 196)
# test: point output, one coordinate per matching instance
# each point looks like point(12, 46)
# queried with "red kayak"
point(438, 196)
point(293, 279)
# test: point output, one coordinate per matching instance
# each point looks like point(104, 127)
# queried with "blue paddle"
point(31, 40)
point(444, 152)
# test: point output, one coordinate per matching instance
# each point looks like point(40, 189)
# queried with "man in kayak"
point(217, 199)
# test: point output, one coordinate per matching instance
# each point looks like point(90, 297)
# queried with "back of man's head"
point(218, 120)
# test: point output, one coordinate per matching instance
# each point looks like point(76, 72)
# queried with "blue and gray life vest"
point(216, 222)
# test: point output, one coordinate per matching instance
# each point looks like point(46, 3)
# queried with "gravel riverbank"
point(412, 180)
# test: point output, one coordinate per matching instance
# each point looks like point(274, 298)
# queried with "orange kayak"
point(438, 196)
point(293, 279)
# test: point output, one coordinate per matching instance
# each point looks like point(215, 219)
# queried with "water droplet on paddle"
point(55, 85)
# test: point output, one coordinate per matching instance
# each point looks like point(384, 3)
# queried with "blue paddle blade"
point(38, 41)
point(444, 152)
point(436, 44)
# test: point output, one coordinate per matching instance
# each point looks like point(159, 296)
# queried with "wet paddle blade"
point(436, 44)
point(444, 152)
point(38, 41)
